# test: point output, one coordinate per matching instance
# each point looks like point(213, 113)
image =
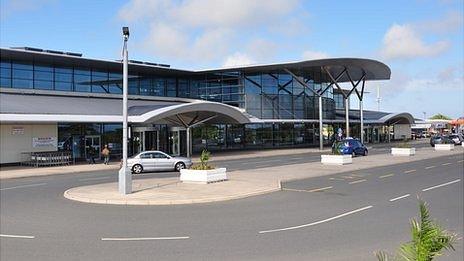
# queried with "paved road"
point(352, 217)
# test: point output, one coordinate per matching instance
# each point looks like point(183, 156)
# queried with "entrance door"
point(137, 142)
point(151, 140)
point(94, 142)
point(174, 144)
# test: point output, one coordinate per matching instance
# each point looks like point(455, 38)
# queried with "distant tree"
point(440, 117)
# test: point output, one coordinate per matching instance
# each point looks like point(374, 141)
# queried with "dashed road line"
point(400, 197)
point(317, 222)
point(337, 179)
point(386, 176)
point(17, 236)
point(430, 167)
point(441, 185)
point(320, 189)
point(445, 164)
point(357, 181)
point(459, 161)
point(24, 186)
point(141, 238)
point(410, 171)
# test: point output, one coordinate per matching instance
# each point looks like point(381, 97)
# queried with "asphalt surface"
point(350, 218)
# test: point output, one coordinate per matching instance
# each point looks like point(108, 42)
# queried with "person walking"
point(91, 154)
point(106, 154)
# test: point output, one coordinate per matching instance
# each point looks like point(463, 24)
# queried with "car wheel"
point(137, 169)
point(179, 166)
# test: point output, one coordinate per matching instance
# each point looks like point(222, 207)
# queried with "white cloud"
point(403, 42)
point(237, 59)
point(450, 22)
point(314, 55)
point(205, 31)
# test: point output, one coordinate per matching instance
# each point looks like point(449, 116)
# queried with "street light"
point(125, 175)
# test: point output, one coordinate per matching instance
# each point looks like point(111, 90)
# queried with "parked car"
point(157, 160)
point(457, 138)
point(440, 139)
point(350, 146)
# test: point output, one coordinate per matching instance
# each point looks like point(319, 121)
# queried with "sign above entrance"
point(40, 142)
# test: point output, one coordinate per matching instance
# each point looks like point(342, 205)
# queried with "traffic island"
point(169, 191)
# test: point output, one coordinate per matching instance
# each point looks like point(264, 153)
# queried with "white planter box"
point(336, 159)
point(444, 146)
point(203, 176)
point(403, 151)
point(462, 144)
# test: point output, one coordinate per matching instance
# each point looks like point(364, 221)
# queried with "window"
point(158, 155)
point(99, 81)
point(5, 74)
point(82, 80)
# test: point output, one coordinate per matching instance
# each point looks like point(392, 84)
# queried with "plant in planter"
point(403, 149)
point(337, 157)
point(203, 172)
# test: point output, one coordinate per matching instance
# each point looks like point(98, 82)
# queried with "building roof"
point(377, 117)
point(33, 108)
point(357, 67)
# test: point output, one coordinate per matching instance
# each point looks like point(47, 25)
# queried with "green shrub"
point(404, 144)
point(428, 241)
point(204, 158)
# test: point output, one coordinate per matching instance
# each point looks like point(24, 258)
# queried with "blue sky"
point(421, 40)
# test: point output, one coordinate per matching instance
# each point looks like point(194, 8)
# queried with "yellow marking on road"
point(386, 176)
point(447, 163)
point(357, 181)
point(410, 171)
point(430, 167)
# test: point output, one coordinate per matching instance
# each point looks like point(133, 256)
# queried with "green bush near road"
point(429, 240)
point(204, 158)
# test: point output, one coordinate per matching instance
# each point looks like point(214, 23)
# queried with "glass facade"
point(265, 95)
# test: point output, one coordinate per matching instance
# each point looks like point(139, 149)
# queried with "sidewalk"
point(241, 184)
point(22, 171)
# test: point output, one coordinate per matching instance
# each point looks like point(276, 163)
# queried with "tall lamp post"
point(125, 176)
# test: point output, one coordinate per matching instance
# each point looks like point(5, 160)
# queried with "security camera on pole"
point(125, 175)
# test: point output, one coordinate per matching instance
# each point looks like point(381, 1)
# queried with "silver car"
point(157, 160)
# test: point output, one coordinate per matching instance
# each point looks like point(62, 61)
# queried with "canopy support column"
point(361, 118)
point(321, 138)
point(189, 143)
point(347, 117)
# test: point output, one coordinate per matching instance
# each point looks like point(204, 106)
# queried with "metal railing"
point(46, 158)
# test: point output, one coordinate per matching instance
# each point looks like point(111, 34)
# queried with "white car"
point(156, 160)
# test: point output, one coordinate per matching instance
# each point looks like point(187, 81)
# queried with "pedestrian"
point(91, 152)
point(106, 154)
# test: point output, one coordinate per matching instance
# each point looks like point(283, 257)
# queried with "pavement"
point(347, 215)
point(241, 183)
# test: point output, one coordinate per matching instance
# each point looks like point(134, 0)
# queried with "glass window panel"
point(23, 74)
point(43, 76)
point(5, 63)
point(22, 84)
point(171, 88)
point(43, 85)
point(5, 72)
point(146, 87)
point(82, 83)
point(82, 71)
point(63, 86)
point(5, 82)
point(133, 85)
point(63, 77)
point(43, 67)
point(78, 87)
point(63, 70)
point(159, 88)
point(22, 65)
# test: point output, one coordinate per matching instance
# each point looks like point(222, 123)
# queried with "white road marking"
point(429, 167)
point(141, 238)
point(97, 178)
point(386, 176)
point(317, 222)
point(304, 190)
point(459, 161)
point(357, 181)
point(297, 158)
point(444, 164)
point(400, 197)
point(410, 171)
point(336, 179)
point(441, 185)
point(24, 186)
point(17, 236)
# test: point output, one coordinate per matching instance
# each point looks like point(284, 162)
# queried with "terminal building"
point(61, 101)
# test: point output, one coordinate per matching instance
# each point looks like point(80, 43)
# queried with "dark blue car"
point(349, 146)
